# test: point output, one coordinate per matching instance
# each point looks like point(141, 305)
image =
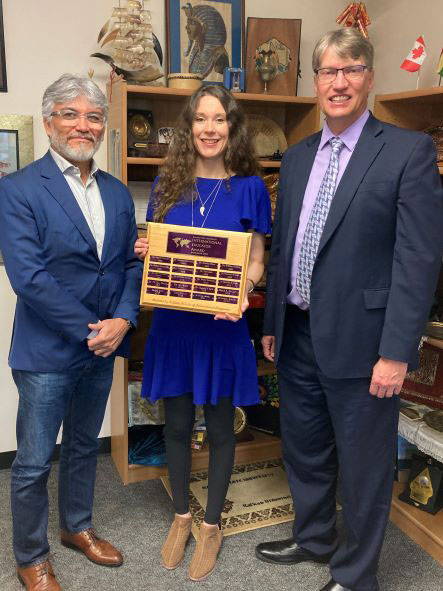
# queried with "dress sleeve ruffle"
point(255, 211)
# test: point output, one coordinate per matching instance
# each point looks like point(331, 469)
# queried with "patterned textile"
point(317, 220)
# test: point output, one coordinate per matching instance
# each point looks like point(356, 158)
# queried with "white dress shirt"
point(87, 196)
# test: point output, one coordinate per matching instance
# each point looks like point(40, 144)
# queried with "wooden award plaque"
point(195, 269)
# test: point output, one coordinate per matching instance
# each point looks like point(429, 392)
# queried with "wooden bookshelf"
point(297, 117)
point(425, 529)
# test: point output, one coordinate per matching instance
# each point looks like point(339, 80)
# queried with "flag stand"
point(418, 78)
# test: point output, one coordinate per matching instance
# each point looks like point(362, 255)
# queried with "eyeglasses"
point(70, 117)
point(351, 73)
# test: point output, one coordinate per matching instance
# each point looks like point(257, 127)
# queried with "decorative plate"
point(267, 136)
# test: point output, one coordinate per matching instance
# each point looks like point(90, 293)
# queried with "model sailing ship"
point(128, 44)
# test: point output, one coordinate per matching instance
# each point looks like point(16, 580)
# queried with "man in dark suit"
point(355, 255)
point(67, 231)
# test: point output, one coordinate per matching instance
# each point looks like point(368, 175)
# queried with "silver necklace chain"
point(203, 203)
point(218, 185)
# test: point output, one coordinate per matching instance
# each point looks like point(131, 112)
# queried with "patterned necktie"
point(316, 223)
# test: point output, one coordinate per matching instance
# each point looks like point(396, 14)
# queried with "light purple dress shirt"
point(350, 138)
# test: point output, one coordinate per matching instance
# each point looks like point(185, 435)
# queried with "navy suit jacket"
point(51, 260)
point(379, 254)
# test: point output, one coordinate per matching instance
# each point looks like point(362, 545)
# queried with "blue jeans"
point(78, 399)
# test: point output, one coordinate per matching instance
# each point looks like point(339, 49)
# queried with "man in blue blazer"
point(67, 231)
point(356, 250)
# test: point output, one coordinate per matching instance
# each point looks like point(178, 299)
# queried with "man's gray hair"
point(67, 88)
point(346, 42)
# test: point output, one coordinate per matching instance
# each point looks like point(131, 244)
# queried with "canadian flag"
point(416, 56)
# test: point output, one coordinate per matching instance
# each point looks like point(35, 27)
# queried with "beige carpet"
point(258, 496)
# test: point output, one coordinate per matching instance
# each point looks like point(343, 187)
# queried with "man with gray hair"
point(67, 231)
point(356, 251)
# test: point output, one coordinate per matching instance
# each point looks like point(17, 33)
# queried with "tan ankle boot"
point(209, 543)
point(174, 547)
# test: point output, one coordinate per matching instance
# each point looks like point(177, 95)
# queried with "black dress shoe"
point(333, 586)
point(286, 552)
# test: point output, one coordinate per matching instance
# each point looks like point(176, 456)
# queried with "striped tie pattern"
point(316, 223)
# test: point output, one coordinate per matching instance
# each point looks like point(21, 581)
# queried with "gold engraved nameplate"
point(195, 269)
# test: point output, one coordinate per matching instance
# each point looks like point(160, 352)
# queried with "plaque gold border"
point(237, 253)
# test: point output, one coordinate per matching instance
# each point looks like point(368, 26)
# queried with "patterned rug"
point(258, 496)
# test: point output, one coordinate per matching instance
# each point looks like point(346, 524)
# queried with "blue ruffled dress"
point(192, 352)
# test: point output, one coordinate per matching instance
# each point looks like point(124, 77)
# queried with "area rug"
point(258, 496)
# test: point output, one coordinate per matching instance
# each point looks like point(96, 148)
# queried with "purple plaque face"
point(155, 283)
point(233, 284)
point(156, 291)
point(205, 288)
point(229, 276)
point(158, 267)
point(181, 278)
point(178, 285)
point(195, 244)
point(226, 300)
point(230, 268)
point(232, 292)
point(185, 262)
point(159, 275)
point(202, 296)
point(156, 259)
point(204, 281)
point(180, 294)
point(185, 270)
point(207, 265)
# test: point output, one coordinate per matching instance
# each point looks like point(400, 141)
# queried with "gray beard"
point(80, 154)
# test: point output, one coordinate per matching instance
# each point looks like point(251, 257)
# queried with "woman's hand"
point(141, 248)
point(231, 317)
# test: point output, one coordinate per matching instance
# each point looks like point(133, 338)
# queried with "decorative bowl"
point(184, 80)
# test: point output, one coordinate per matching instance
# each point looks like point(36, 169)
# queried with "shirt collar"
point(349, 136)
point(66, 167)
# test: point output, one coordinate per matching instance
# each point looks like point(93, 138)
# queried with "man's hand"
point(141, 248)
point(387, 377)
point(110, 334)
point(268, 343)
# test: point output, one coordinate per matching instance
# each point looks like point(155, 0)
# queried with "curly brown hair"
point(177, 175)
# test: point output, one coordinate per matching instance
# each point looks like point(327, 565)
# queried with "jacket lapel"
point(299, 180)
point(368, 146)
point(110, 210)
point(58, 187)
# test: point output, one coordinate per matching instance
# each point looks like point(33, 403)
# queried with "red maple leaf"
point(416, 53)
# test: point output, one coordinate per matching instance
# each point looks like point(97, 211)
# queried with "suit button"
point(102, 273)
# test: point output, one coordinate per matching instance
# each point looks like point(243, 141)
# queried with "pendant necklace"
point(217, 187)
point(203, 203)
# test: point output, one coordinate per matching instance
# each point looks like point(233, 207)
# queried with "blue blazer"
point(379, 254)
point(51, 260)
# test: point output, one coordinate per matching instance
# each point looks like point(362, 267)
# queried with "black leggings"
point(179, 418)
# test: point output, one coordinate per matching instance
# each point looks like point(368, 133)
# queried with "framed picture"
point(3, 82)
point(272, 55)
point(16, 145)
point(9, 155)
point(16, 142)
point(204, 37)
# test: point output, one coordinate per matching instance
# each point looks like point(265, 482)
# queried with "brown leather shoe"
point(97, 550)
point(38, 577)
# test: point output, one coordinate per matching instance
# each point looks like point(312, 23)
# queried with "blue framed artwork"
point(204, 37)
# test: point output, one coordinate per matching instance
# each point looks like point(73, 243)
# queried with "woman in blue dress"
point(209, 180)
